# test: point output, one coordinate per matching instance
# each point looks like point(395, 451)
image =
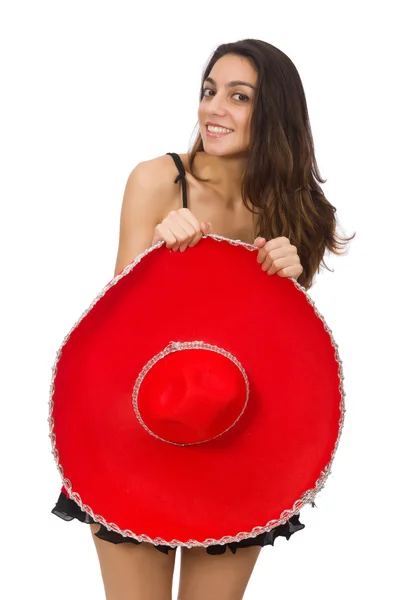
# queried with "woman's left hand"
point(278, 256)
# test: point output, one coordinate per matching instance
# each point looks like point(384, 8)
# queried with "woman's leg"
point(134, 571)
point(216, 577)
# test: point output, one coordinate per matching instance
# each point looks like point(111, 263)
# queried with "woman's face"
point(228, 102)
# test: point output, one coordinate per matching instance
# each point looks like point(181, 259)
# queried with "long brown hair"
point(281, 174)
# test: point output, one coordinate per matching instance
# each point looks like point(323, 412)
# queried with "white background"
point(88, 90)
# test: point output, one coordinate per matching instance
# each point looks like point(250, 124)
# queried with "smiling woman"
point(254, 90)
point(219, 92)
point(251, 175)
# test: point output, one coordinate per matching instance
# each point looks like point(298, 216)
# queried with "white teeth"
point(218, 129)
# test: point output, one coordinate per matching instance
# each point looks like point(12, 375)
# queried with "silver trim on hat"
point(175, 347)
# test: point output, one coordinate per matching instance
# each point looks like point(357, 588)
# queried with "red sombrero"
point(198, 400)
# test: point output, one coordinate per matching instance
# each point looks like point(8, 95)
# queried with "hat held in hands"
point(198, 400)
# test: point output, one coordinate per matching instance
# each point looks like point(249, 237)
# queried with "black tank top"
point(181, 176)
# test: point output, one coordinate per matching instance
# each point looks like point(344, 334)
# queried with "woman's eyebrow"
point(232, 83)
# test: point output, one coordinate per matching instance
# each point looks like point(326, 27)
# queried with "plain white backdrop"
point(88, 90)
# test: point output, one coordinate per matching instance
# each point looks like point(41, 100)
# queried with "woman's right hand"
point(180, 229)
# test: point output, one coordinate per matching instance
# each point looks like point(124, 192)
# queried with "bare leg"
point(216, 577)
point(134, 572)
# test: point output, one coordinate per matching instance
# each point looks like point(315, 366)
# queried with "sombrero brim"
point(247, 481)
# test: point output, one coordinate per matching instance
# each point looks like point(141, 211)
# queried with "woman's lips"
point(212, 134)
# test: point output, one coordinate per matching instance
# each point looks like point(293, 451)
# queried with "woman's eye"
point(245, 98)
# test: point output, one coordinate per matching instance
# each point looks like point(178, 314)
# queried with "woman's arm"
point(147, 197)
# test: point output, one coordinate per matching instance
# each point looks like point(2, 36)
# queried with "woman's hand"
point(180, 229)
point(278, 256)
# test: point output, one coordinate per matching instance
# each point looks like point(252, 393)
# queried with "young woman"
point(250, 175)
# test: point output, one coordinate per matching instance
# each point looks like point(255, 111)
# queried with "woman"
point(251, 175)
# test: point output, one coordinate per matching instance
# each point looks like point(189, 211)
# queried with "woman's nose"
point(217, 104)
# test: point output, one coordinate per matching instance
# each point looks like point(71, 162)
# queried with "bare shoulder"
point(161, 166)
point(165, 167)
point(162, 170)
point(156, 176)
point(150, 194)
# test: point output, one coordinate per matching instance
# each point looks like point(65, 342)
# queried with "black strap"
point(181, 176)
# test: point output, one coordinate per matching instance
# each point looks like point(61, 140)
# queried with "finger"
point(205, 228)
point(281, 263)
point(259, 242)
point(263, 253)
point(278, 242)
point(179, 229)
point(163, 233)
point(190, 218)
point(195, 239)
point(271, 245)
point(199, 228)
point(184, 224)
point(294, 271)
point(195, 233)
point(261, 256)
point(189, 231)
point(271, 255)
point(267, 257)
point(191, 239)
point(274, 244)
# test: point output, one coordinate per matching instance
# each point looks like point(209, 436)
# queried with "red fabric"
point(192, 396)
point(216, 293)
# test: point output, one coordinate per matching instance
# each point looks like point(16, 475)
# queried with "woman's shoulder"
point(154, 178)
point(163, 167)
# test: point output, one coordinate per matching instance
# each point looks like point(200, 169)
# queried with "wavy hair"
point(281, 177)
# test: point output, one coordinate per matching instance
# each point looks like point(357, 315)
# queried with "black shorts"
point(67, 509)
